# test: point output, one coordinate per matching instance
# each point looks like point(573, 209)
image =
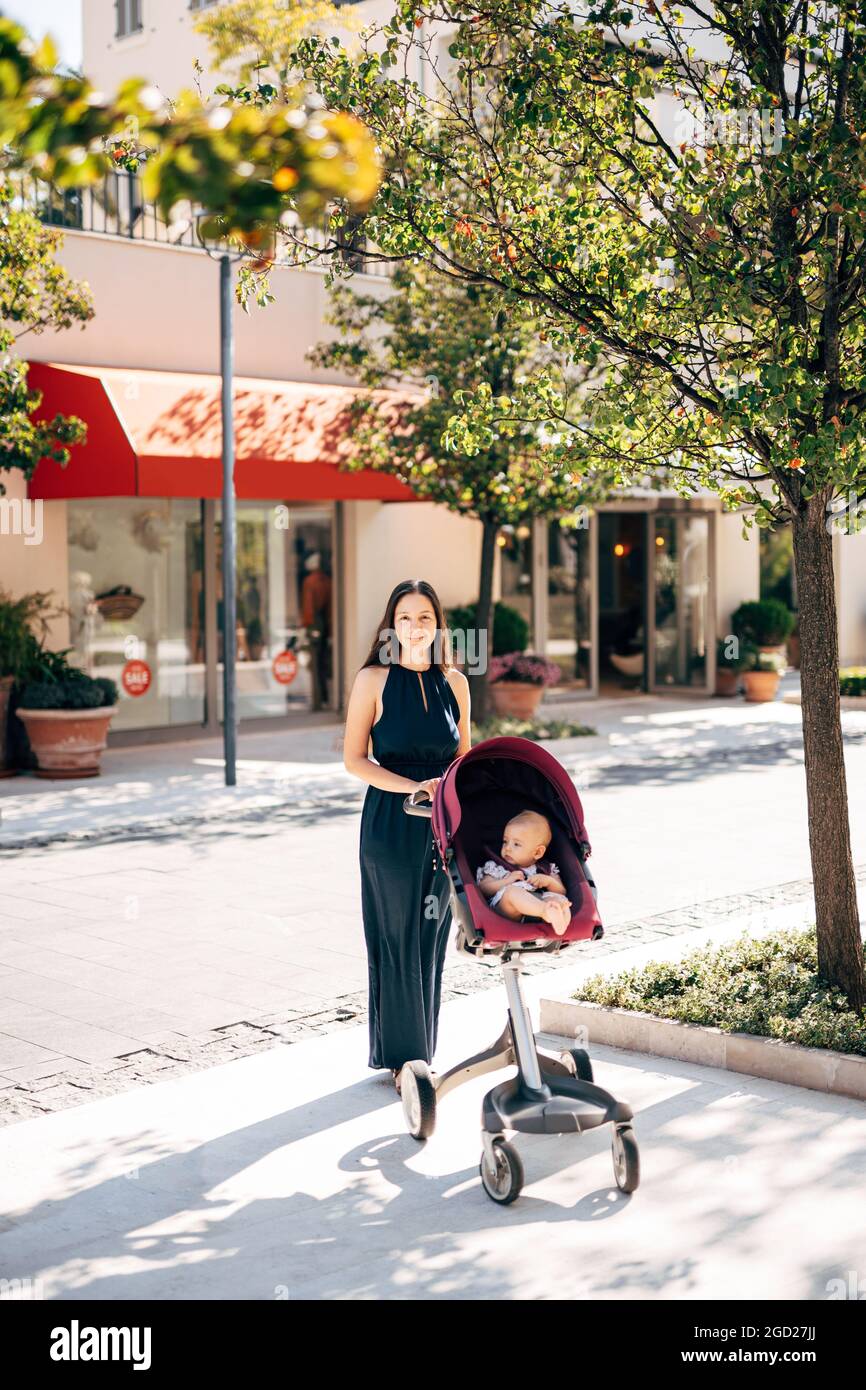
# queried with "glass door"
point(285, 609)
point(570, 623)
point(682, 634)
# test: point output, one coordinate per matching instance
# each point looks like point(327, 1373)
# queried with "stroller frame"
point(551, 1093)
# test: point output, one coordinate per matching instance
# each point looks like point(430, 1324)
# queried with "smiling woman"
point(408, 717)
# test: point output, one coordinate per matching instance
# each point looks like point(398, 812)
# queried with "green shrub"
point(852, 680)
point(56, 684)
point(110, 692)
point(768, 986)
point(19, 646)
point(729, 662)
point(510, 628)
point(535, 729)
point(63, 694)
point(765, 622)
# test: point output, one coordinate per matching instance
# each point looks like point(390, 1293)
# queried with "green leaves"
point(245, 163)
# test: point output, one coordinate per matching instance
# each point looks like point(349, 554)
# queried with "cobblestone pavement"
point(85, 1081)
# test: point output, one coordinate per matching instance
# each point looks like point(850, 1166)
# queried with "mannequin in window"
point(316, 618)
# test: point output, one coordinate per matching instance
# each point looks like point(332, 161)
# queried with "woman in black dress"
point(409, 707)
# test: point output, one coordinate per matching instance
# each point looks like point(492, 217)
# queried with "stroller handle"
point(416, 808)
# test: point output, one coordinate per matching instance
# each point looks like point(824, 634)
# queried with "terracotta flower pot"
point(67, 742)
point(761, 686)
point(6, 684)
point(727, 681)
point(516, 699)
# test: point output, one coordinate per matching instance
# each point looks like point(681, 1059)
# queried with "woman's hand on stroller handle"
point(425, 789)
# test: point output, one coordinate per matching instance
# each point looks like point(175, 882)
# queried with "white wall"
point(850, 557)
point(738, 567)
point(390, 541)
point(158, 307)
point(27, 568)
point(165, 49)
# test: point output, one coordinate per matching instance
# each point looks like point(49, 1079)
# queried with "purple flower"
point(523, 666)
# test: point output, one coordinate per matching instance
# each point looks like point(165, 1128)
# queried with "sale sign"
point(284, 667)
point(136, 678)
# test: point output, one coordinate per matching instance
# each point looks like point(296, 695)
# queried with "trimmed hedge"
point(852, 680)
point(768, 986)
point(510, 628)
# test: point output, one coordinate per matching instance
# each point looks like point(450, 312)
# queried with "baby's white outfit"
point(490, 869)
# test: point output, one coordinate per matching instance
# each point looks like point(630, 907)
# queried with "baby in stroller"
point(524, 883)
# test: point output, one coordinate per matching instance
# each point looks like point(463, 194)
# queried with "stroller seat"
point(485, 793)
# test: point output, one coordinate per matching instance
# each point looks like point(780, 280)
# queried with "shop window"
point(569, 636)
point(285, 604)
point(135, 596)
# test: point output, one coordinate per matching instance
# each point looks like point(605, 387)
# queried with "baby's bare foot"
point(557, 912)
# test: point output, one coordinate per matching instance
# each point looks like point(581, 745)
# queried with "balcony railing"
point(116, 207)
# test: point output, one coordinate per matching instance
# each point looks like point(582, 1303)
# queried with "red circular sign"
point(285, 667)
point(136, 677)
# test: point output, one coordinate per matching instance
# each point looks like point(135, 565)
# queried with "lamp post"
point(229, 526)
point(230, 605)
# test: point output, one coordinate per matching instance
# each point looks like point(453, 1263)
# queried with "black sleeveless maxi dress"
point(404, 899)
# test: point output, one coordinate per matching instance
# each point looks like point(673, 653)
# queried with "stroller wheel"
point(419, 1099)
point(582, 1063)
point(626, 1159)
point(506, 1183)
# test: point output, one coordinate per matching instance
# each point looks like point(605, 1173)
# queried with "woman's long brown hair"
point(386, 630)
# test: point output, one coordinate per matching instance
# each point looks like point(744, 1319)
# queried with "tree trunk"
point(840, 950)
point(484, 618)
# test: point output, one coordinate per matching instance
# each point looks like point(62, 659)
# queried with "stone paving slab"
point(164, 1051)
point(288, 1174)
point(171, 785)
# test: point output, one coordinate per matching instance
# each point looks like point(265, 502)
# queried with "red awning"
point(158, 434)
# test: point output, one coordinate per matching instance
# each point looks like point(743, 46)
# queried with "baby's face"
point(520, 847)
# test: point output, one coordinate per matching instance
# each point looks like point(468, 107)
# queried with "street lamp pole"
point(229, 623)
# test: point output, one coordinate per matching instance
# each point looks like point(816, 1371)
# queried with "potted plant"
point(761, 675)
point(66, 714)
point(517, 682)
point(766, 624)
point(510, 629)
point(729, 664)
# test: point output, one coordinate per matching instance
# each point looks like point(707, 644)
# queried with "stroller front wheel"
point(419, 1099)
point(581, 1061)
point(505, 1184)
point(626, 1158)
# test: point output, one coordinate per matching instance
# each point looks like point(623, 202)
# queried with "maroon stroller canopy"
point(498, 778)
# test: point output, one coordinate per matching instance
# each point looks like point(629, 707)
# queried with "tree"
point(35, 294)
point(245, 164)
point(259, 37)
point(717, 267)
point(447, 338)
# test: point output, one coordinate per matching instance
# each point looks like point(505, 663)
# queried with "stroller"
point(550, 1094)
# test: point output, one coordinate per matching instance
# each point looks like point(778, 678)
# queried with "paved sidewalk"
point(126, 956)
point(49, 1083)
point(289, 1174)
point(164, 785)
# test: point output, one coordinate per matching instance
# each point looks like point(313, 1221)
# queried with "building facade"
point(633, 597)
